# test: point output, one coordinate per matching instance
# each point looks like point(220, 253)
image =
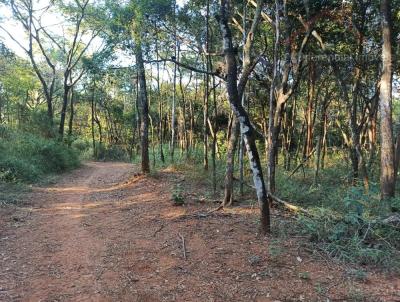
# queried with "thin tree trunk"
point(160, 105)
point(206, 91)
point(272, 109)
point(71, 118)
point(64, 109)
point(241, 145)
point(172, 151)
point(214, 142)
point(324, 138)
point(230, 160)
point(308, 146)
point(93, 137)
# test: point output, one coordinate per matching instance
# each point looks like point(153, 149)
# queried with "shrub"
point(177, 196)
point(26, 157)
point(13, 169)
point(111, 152)
point(81, 145)
point(358, 234)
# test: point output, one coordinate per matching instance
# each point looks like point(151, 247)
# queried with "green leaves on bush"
point(26, 157)
point(358, 234)
point(177, 196)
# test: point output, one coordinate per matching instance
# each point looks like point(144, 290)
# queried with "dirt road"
point(103, 233)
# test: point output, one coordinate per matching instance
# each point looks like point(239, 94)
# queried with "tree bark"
point(206, 91)
point(64, 107)
point(144, 108)
point(385, 107)
point(92, 122)
point(71, 117)
point(245, 125)
point(230, 160)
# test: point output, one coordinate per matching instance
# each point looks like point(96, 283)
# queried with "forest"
point(175, 150)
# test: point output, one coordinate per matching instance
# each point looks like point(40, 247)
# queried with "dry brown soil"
point(104, 233)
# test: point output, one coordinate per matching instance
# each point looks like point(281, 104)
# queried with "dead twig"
point(202, 215)
point(158, 230)
point(183, 246)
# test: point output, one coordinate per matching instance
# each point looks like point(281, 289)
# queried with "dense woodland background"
point(296, 101)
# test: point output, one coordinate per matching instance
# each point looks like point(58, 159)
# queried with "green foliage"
point(304, 275)
point(26, 157)
point(358, 234)
point(13, 193)
point(81, 145)
point(177, 196)
point(275, 249)
point(111, 153)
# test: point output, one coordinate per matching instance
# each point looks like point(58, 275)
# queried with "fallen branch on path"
point(183, 246)
point(289, 206)
point(202, 215)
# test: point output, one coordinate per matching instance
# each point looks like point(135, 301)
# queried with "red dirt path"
point(103, 233)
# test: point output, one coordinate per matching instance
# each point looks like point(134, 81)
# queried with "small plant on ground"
point(177, 196)
point(359, 234)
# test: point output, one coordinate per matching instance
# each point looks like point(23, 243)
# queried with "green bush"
point(81, 145)
point(14, 169)
point(357, 234)
point(111, 153)
point(177, 196)
point(26, 157)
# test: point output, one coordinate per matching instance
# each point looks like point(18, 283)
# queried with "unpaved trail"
point(103, 233)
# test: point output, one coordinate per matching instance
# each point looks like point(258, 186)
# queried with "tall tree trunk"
point(214, 142)
point(71, 117)
point(172, 143)
point(241, 114)
point(1, 110)
point(385, 107)
point(206, 90)
point(241, 144)
point(144, 108)
point(173, 114)
point(93, 137)
point(64, 107)
point(272, 108)
point(324, 138)
point(308, 146)
point(230, 160)
point(160, 105)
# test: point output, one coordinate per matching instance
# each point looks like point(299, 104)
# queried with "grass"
point(13, 193)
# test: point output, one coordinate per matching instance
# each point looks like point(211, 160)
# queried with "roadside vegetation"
point(29, 158)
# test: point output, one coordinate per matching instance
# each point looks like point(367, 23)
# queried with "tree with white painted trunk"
point(235, 91)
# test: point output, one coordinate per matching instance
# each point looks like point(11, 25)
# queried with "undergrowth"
point(103, 152)
point(344, 222)
point(28, 158)
point(362, 232)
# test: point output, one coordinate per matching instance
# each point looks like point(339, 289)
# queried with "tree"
point(23, 12)
point(73, 55)
point(388, 178)
point(48, 42)
point(235, 90)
